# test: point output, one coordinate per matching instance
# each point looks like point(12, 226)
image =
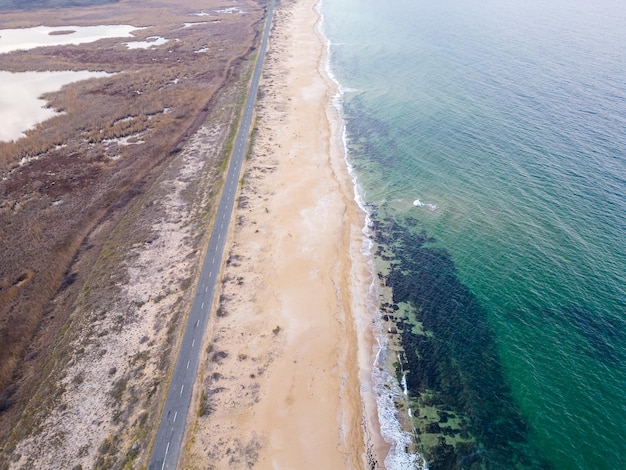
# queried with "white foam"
point(386, 388)
point(431, 207)
point(405, 388)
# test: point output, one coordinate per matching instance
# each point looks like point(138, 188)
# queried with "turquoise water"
point(489, 142)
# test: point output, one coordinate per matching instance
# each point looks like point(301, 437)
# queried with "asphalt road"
point(169, 437)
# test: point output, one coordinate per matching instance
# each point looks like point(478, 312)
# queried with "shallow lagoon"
point(21, 107)
point(39, 36)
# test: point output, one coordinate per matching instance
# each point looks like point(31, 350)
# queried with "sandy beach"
point(284, 384)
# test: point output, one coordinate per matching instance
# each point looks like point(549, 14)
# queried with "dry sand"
point(288, 352)
point(286, 378)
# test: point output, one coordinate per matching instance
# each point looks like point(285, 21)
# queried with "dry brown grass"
point(66, 180)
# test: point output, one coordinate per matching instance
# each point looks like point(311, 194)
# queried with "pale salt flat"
point(189, 25)
point(231, 10)
point(152, 41)
point(133, 139)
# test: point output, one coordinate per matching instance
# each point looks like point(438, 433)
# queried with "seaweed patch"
point(465, 415)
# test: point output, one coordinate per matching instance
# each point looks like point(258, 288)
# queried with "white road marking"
point(232, 182)
point(175, 414)
point(165, 457)
point(202, 306)
point(193, 343)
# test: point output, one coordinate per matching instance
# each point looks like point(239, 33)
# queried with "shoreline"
point(286, 381)
point(383, 397)
point(364, 285)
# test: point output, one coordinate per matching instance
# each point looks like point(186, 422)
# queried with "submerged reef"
point(464, 414)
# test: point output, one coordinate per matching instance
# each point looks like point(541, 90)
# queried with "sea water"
point(488, 141)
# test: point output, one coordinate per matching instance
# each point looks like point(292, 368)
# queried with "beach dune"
point(282, 386)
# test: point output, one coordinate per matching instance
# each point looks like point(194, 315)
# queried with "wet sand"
point(285, 383)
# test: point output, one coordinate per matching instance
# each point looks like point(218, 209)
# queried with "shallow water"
point(505, 120)
point(29, 38)
point(21, 107)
